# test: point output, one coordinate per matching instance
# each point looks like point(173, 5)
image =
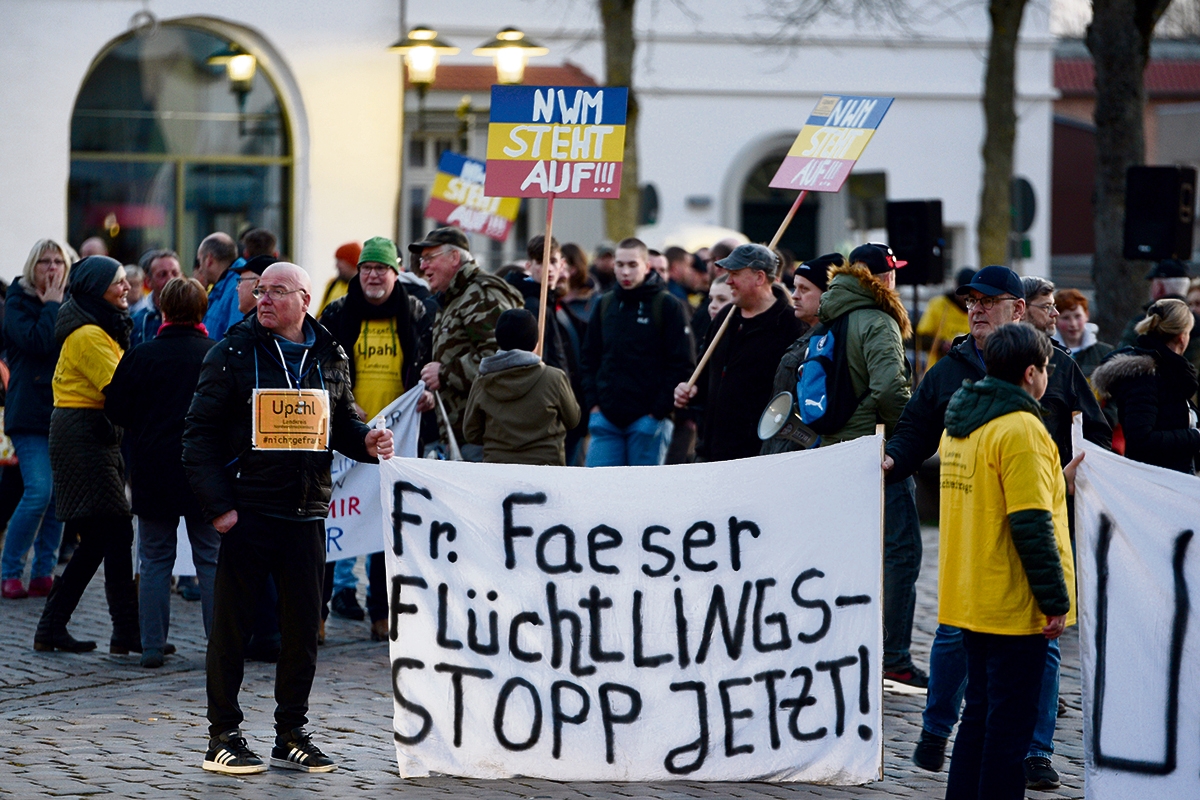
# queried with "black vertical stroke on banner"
point(1178, 631)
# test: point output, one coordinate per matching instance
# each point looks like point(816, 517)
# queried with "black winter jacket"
point(344, 318)
point(32, 356)
point(225, 473)
point(149, 397)
point(631, 362)
point(1151, 387)
point(737, 383)
point(919, 430)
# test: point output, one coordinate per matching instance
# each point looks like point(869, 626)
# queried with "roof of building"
point(1173, 71)
point(479, 78)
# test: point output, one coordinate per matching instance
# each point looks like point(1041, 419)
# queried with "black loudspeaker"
point(915, 235)
point(1159, 212)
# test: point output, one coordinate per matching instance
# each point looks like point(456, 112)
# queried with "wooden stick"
point(725, 324)
point(455, 453)
point(545, 287)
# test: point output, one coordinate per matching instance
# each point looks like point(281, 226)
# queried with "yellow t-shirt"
point(333, 290)
point(378, 363)
point(942, 321)
point(1010, 464)
point(86, 364)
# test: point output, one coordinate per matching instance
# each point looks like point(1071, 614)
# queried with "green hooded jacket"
point(875, 334)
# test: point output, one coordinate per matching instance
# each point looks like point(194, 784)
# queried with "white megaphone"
point(781, 419)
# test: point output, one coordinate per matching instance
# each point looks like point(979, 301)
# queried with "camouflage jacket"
point(464, 333)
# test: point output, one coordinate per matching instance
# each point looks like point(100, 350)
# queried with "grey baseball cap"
point(752, 256)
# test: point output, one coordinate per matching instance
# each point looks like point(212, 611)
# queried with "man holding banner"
point(464, 332)
point(273, 399)
point(373, 323)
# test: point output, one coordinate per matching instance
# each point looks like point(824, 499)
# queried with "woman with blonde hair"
point(30, 313)
point(1152, 385)
point(85, 454)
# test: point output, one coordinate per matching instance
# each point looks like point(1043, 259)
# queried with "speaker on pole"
point(915, 235)
point(1159, 212)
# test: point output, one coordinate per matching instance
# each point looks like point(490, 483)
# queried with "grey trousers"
point(156, 557)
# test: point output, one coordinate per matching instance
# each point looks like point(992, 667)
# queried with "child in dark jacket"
point(520, 409)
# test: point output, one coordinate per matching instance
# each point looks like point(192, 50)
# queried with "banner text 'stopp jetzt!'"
point(458, 198)
point(563, 141)
point(832, 139)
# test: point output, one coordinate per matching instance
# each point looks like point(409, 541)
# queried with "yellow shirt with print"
point(1009, 464)
point(86, 364)
point(378, 365)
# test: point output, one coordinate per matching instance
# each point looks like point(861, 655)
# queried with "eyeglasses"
point(431, 256)
point(1049, 369)
point(245, 278)
point(1047, 307)
point(988, 303)
point(380, 268)
point(51, 262)
point(275, 292)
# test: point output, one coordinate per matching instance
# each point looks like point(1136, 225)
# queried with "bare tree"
point(616, 17)
point(999, 96)
point(1119, 40)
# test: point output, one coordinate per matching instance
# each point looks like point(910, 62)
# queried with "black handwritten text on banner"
point(637, 623)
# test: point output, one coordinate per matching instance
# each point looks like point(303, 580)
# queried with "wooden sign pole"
point(545, 287)
point(725, 323)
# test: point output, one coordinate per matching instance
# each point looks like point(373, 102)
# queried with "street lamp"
point(240, 67)
point(421, 50)
point(509, 51)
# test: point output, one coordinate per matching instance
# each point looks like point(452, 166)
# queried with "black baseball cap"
point(439, 236)
point(878, 257)
point(994, 281)
point(255, 265)
point(816, 271)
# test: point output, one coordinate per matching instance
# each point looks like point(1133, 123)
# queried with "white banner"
point(1138, 571)
point(700, 622)
point(352, 528)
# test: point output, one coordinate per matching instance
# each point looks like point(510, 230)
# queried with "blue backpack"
point(824, 394)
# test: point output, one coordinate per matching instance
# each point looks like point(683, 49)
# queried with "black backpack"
point(824, 393)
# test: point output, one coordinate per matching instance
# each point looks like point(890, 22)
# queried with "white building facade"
point(314, 146)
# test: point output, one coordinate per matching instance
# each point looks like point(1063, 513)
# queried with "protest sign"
point(457, 198)
point(548, 141)
point(638, 623)
point(352, 528)
point(1139, 645)
point(830, 142)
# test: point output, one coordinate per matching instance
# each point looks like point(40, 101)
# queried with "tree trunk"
point(1119, 41)
point(621, 215)
point(1000, 125)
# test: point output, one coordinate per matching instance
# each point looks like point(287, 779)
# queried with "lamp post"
point(240, 67)
point(510, 51)
point(421, 49)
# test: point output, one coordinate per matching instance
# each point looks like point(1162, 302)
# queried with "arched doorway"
point(763, 209)
point(166, 147)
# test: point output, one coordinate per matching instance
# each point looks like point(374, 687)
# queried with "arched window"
point(167, 147)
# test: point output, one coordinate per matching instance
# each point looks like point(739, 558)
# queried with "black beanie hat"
point(517, 330)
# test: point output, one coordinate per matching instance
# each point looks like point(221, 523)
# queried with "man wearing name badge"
point(638, 347)
point(373, 323)
point(464, 332)
point(270, 504)
point(735, 385)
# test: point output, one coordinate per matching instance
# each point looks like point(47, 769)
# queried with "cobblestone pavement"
point(97, 724)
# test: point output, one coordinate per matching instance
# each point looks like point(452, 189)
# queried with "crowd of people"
point(639, 358)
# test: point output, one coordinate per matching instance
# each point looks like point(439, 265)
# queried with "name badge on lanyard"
point(290, 419)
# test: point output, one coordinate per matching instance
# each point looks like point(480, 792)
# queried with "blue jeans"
point(901, 566)
point(343, 575)
point(156, 558)
point(644, 442)
point(948, 680)
point(33, 522)
point(1004, 681)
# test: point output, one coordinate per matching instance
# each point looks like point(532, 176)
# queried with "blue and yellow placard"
point(458, 198)
point(832, 139)
point(561, 141)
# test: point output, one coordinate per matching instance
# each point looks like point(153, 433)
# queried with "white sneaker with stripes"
point(295, 750)
point(229, 754)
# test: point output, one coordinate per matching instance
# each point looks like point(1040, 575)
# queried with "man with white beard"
point(374, 324)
